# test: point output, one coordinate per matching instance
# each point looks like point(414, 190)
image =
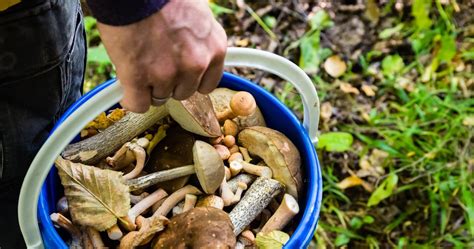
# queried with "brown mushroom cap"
point(243, 104)
point(278, 152)
point(195, 114)
point(208, 166)
point(221, 98)
point(175, 150)
point(201, 227)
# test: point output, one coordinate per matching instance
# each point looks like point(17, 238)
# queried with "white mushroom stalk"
point(245, 178)
point(257, 197)
point(189, 202)
point(241, 187)
point(175, 198)
point(227, 194)
point(253, 169)
point(141, 207)
point(134, 199)
point(285, 212)
point(95, 238)
point(63, 222)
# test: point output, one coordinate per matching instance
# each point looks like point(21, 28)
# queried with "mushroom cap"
point(208, 165)
point(221, 98)
point(175, 150)
point(243, 104)
point(201, 227)
point(278, 152)
point(195, 114)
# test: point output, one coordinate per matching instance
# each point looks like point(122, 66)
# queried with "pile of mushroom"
point(204, 172)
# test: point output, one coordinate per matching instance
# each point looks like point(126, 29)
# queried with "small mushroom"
point(211, 201)
point(241, 104)
point(285, 212)
point(227, 195)
point(189, 202)
point(148, 228)
point(208, 166)
point(201, 227)
point(230, 128)
point(238, 194)
point(174, 199)
point(253, 169)
point(127, 154)
point(221, 98)
point(229, 141)
point(223, 151)
point(63, 222)
point(129, 221)
point(254, 201)
point(195, 114)
point(278, 152)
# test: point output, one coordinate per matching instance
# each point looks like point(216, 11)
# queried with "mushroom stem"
point(122, 158)
point(157, 205)
point(211, 201)
point(141, 207)
point(247, 238)
point(254, 201)
point(253, 169)
point(241, 104)
point(238, 194)
point(159, 135)
point(140, 156)
point(134, 199)
point(160, 176)
point(226, 194)
point(114, 232)
point(245, 154)
point(174, 198)
point(189, 202)
point(228, 173)
point(95, 238)
point(63, 222)
point(245, 178)
point(223, 151)
point(285, 212)
point(148, 228)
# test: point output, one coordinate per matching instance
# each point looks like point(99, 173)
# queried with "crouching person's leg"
point(42, 59)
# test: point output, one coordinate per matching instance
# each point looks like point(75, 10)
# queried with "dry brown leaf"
point(96, 197)
point(348, 88)
point(335, 66)
point(149, 227)
point(368, 90)
point(326, 110)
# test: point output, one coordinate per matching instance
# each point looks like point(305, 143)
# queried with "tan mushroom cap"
point(208, 166)
point(278, 152)
point(195, 114)
point(201, 227)
point(221, 98)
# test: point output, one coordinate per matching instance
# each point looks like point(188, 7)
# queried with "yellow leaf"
point(348, 88)
point(116, 115)
point(349, 182)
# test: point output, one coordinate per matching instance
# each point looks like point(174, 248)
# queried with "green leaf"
point(356, 223)
point(98, 55)
point(384, 191)
point(335, 141)
point(341, 240)
point(392, 65)
point(218, 10)
point(468, 200)
point(272, 240)
point(388, 32)
point(89, 23)
point(420, 9)
point(320, 20)
point(448, 48)
point(96, 197)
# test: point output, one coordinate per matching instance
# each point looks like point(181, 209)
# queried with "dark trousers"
point(42, 61)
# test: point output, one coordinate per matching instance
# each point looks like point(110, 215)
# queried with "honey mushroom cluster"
point(245, 180)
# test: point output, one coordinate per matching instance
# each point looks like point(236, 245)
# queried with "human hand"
point(173, 53)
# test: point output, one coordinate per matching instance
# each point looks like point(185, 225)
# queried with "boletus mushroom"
point(278, 152)
point(201, 227)
point(195, 114)
point(221, 98)
point(208, 166)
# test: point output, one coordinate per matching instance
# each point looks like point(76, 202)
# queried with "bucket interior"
point(276, 115)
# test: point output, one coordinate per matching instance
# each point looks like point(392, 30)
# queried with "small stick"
point(160, 176)
point(257, 197)
point(63, 222)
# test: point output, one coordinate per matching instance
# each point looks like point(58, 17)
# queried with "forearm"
point(123, 12)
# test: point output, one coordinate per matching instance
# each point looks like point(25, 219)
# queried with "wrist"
point(123, 12)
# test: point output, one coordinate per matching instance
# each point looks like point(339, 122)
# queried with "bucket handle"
point(287, 70)
point(64, 133)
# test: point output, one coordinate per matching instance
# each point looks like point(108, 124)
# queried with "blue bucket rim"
point(308, 221)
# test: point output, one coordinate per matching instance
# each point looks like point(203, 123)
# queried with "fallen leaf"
point(384, 191)
point(349, 182)
point(272, 240)
point(96, 197)
point(348, 88)
point(335, 141)
point(116, 114)
point(326, 110)
point(335, 66)
point(368, 90)
point(468, 121)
